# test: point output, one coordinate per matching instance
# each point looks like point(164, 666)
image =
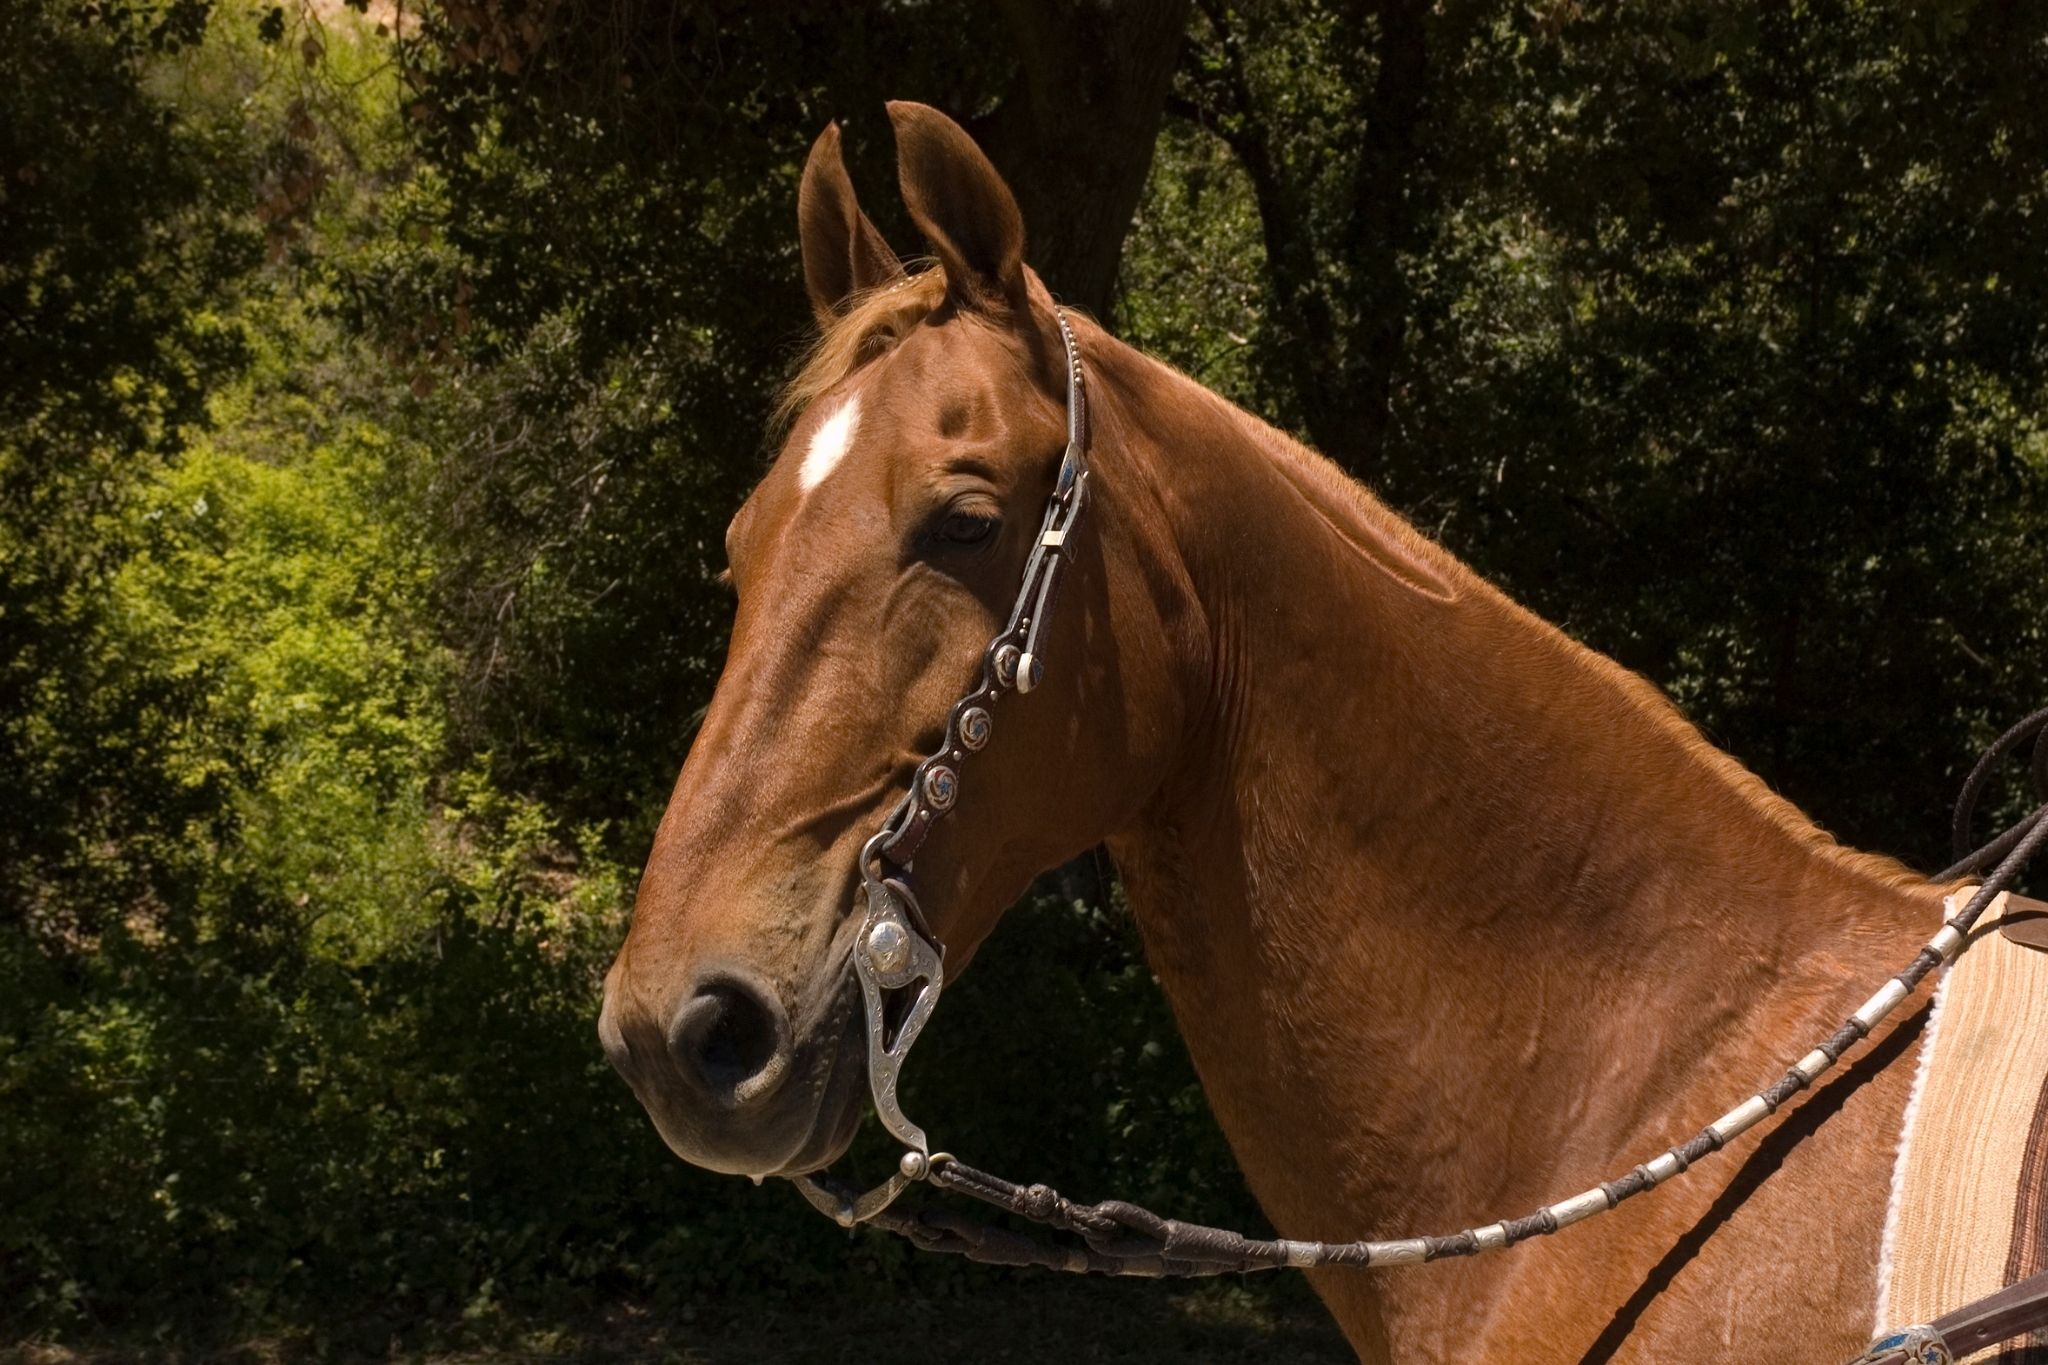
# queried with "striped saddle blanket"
point(1969, 1199)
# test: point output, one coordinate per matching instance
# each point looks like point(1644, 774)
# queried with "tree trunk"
point(1334, 258)
point(1074, 134)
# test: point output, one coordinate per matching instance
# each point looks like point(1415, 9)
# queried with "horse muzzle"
point(733, 1082)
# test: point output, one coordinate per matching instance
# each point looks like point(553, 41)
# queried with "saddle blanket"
point(1967, 1214)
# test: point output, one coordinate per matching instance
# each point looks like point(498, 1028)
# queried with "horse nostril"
point(731, 1037)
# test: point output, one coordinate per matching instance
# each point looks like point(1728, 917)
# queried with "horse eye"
point(966, 528)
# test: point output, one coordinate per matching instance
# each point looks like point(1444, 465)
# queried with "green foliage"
point(1776, 442)
point(113, 254)
point(1192, 288)
point(378, 657)
point(1712, 331)
point(375, 404)
point(599, 392)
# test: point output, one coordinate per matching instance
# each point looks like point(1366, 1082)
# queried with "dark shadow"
point(1823, 1105)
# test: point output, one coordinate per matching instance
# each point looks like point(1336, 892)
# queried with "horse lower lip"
point(841, 1089)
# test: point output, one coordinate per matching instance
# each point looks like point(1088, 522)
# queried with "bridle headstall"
point(901, 968)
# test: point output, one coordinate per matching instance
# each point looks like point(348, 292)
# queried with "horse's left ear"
point(843, 254)
point(962, 206)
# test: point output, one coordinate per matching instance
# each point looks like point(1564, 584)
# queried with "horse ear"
point(962, 206)
point(843, 253)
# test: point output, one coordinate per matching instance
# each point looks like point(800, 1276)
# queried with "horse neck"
point(1452, 911)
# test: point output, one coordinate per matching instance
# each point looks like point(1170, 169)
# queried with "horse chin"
point(841, 1102)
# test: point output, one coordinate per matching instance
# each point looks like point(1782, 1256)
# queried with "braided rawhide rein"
point(1120, 1238)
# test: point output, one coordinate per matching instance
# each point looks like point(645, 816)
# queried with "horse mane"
point(873, 324)
point(1336, 493)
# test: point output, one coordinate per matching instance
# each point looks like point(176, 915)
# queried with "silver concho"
point(1006, 665)
point(975, 725)
point(887, 945)
point(941, 788)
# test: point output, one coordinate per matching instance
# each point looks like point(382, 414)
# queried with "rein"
point(900, 965)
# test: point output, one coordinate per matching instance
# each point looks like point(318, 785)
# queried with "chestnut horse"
point(1456, 915)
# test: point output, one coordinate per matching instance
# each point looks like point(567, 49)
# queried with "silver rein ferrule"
point(896, 950)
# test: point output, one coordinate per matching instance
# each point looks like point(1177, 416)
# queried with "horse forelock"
point(872, 326)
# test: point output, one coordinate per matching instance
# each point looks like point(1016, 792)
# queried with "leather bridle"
point(900, 964)
point(896, 951)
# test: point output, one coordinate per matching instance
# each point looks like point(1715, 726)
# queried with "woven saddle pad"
point(1967, 1213)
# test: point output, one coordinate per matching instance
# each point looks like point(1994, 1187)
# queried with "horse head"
point(872, 565)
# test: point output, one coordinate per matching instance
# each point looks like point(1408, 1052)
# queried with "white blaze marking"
point(829, 444)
